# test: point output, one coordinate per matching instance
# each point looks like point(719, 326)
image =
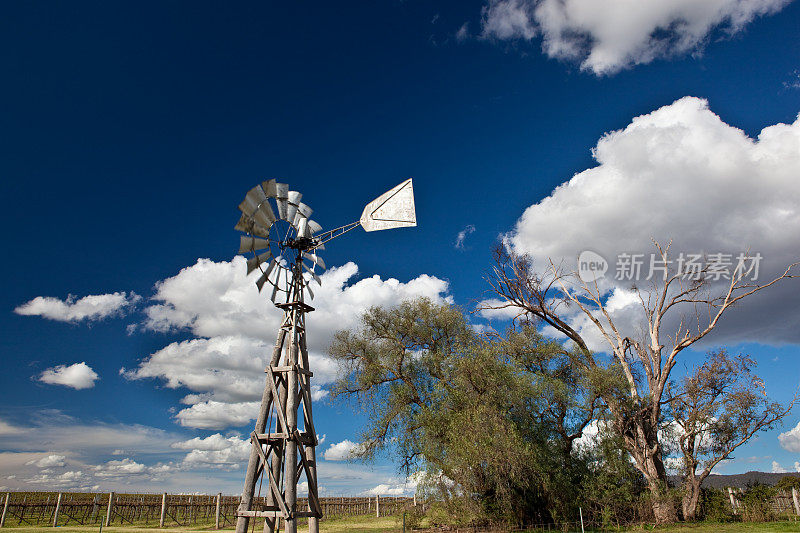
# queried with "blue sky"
point(131, 132)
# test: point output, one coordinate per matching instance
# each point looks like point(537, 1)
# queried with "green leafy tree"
point(716, 409)
point(492, 419)
point(788, 483)
point(613, 491)
point(715, 505)
point(645, 357)
point(757, 503)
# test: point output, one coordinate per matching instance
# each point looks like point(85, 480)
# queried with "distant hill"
point(739, 480)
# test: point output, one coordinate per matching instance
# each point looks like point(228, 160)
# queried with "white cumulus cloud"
point(92, 307)
point(341, 451)
point(235, 327)
point(680, 173)
point(509, 19)
point(50, 461)
point(777, 468)
point(396, 486)
point(605, 36)
point(212, 443)
point(77, 376)
point(211, 414)
point(790, 440)
point(121, 467)
point(215, 450)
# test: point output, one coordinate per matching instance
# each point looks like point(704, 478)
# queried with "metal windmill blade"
point(314, 227)
point(269, 188)
point(251, 244)
point(314, 259)
point(248, 225)
point(255, 262)
point(303, 211)
point(293, 199)
point(312, 275)
point(281, 198)
point(302, 228)
point(261, 281)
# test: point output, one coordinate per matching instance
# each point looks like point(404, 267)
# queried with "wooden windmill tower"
point(284, 248)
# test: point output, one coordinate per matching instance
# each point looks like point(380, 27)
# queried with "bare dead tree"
point(716, 409)
point(645, 360)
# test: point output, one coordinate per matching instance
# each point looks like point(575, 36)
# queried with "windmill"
point(284, 244)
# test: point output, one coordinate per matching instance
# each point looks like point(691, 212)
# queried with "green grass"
point(359, 524)
point(111, 529)
point(362, 524)
point(370, 524)
point(712, 527)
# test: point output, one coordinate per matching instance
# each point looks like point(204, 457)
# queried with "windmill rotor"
point(277, 232)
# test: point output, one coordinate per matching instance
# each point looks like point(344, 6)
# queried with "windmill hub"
point(300, 244)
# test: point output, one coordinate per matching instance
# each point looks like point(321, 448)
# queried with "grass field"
point(767, 527)
point(367, 524)
point(359, 524)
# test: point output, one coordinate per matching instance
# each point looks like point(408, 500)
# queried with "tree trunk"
point(652, 466)
point(691, 497)
point(663, 504)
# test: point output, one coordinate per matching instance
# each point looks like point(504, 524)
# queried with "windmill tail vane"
point(284, 243)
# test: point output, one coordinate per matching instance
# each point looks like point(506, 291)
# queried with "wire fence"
point(182, 510)
point(164, 510)
point(783, 504)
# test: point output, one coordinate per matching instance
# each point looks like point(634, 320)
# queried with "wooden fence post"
point(5, 509)
point(95, 502)
point(58, 508)
point(377, 506)
point(110, 507)
point(795, 500)
point(216, 517)
point(733, 499)
point(163, 509)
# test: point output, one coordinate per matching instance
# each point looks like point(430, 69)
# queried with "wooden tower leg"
point(310, 456)
point(254, 467)
point(290, 458)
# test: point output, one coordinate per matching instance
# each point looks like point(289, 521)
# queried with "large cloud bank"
point(235, 330)
point(605, 36)
point(130, 458)
point(680, 173)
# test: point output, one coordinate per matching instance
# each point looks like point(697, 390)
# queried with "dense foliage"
point(492, 420)
point(507, 429)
